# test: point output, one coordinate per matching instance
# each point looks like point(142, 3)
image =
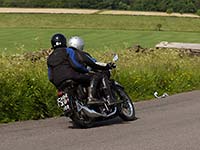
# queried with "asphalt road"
point(170, 123)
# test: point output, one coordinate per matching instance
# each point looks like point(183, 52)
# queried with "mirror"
point(115, 58)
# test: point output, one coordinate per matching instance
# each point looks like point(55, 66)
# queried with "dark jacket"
point(64, 63)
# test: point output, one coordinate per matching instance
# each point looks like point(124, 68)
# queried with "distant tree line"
point(181, 6)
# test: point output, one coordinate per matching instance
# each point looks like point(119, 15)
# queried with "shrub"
point(169, 10)
point(198, 12)
point(181, 11)
point(25, 91)
point(158, 27)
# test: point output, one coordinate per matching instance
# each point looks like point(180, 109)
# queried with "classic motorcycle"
point(73, 100)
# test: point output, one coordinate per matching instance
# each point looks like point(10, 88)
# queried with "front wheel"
point(126, 108)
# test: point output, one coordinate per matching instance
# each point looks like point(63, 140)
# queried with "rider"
point(77, 44)
point(70, 64)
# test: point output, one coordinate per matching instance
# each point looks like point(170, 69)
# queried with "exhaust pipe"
point(92, 113)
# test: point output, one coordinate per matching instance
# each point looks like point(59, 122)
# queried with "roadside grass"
point(30, 32)
point(156, 70)
point(26, 92)
point(165, 71)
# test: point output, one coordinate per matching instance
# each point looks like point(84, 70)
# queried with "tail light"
point(60, 93)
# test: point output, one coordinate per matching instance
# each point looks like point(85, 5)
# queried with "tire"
point(79, 119)
point(81, 122)
point(126, 108)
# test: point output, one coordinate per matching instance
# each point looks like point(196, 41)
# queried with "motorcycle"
point(73, 100)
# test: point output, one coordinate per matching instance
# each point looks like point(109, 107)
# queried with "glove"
point(111, 65)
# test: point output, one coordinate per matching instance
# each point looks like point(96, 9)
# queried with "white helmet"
point(76, 42)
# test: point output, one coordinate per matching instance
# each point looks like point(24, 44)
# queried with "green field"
point(28, 32)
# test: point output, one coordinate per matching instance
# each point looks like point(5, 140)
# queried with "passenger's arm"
point(74, 62)
point(89, 61)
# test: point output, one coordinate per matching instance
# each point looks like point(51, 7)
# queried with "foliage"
point(147, 5)
point(158, 27)
point(169, 10)
point(26, 92)
point(160, 70)
point(198, 12)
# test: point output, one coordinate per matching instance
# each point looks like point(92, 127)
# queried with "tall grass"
point(26, 92)
point(161, 71)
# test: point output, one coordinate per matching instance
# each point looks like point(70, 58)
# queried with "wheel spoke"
point(127, 110)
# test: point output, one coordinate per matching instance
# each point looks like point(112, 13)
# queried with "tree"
point(197, 4)
point(191, 8)
point(158, 27)
point(143, 5)
point(169, 10)
point(198, 12)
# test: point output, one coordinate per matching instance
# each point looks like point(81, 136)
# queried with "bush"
point(158, 27)
point(181, 11)
point(169, 10)
point(198, 12)
point(25, 91)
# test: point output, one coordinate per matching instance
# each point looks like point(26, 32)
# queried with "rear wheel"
point(82, 121)
point(79, 119)
point(126, 108)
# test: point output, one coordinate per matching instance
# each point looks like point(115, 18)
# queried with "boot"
point(108, 92)
point(92, 93)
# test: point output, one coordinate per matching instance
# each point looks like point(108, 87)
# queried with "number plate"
point(63, 100)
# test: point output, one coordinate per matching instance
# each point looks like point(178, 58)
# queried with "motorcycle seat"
point(67, 84)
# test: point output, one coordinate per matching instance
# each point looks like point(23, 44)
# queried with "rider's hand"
point(111, 65)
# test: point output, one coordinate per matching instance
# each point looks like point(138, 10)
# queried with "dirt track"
point(47, 10)
point(90, 11)
point(144, 13)
point(171, 123)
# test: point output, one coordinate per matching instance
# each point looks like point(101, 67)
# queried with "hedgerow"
point(27, 94)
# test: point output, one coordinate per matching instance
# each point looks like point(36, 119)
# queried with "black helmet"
point(58, 40)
